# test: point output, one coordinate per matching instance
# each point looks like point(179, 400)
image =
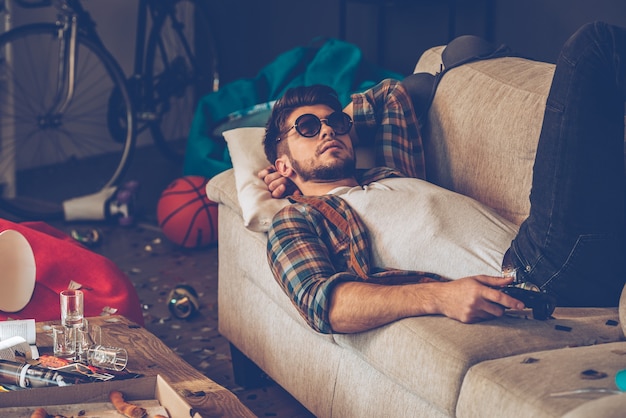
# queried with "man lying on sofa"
point(444, 253)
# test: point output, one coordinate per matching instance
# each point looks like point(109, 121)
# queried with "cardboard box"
point(23, 402)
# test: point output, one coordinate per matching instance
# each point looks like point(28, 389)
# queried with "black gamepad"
point(541, 303)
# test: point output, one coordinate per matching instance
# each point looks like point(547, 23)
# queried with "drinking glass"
point(87, 336)
point(72, 308)
point(64, 341)
point(112, 358)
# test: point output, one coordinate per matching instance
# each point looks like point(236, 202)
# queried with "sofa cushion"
point(606, 406)
point(525, 385)
point(431, 355)
point(468, 147)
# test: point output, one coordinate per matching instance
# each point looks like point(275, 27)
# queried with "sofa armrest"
point(221, 189)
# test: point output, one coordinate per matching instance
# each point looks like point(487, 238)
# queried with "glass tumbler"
point(112, 358)
point(72, 308)
point(64, 341)
point(87, 336)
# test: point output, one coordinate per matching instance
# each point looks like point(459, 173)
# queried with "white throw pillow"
point(258, 207)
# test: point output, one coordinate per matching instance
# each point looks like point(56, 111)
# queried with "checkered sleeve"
point(302, 262)
point(384, 117)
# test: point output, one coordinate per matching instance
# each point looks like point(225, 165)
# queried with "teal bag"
point(331, 62)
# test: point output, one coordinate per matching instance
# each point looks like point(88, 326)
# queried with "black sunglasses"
point(309, 125)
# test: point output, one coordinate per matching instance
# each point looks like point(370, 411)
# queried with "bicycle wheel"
point(178, 74)
point(68, 152)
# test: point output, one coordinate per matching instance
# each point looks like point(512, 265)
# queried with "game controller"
point(541, 303)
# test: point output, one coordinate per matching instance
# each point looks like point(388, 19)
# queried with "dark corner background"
point(393, 33)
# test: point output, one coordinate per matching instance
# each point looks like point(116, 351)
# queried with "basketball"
point(186, 215)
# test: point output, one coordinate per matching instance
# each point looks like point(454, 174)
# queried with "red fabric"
point(60, 259)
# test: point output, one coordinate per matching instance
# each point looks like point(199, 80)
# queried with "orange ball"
point(186, 215)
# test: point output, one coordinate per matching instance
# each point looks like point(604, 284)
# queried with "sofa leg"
point(247, 374)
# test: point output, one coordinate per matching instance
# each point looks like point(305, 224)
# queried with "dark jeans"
point(572, 243)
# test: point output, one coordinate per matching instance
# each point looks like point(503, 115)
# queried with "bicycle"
point(63, 94)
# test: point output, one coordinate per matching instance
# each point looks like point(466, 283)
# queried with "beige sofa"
point(480, 140)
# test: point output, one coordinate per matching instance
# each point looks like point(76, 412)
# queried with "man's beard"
point(337, 170)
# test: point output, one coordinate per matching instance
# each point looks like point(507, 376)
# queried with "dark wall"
point(251, 33)
point(539, 27)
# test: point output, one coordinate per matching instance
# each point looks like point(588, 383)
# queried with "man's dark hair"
point(292, 99)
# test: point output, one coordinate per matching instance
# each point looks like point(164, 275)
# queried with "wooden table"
point(149, 356)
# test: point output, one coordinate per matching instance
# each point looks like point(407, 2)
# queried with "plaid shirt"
point(307, 252)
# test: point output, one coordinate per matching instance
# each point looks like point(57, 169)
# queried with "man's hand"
point(278, 185)
point(476, 298)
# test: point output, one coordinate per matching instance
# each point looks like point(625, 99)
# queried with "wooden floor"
point(155, 266)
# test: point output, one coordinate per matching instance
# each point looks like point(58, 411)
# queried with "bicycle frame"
point(72, 18)
point(136, 85)
point(159, 7)
point(140, 38)
point(155, 9)
point(67, 60)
